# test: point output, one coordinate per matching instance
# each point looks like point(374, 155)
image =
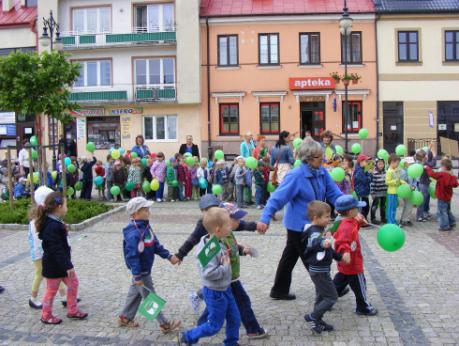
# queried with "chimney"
point(7, 5)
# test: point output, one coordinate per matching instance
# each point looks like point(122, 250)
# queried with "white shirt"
point(23, 158)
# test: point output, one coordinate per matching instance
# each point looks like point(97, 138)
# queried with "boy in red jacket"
point(444, 191)
point(347, 241)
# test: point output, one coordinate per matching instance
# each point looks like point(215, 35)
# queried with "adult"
point(261, 150)
point(140, 148)
point(327, 146)
point(282, 156)
point(23, 158)
point(69, 144)
point(189, 147)
point(307, 183)
point(247, 145)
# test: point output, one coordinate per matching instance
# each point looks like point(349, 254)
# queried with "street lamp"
point(51, 37)
point(345, 27)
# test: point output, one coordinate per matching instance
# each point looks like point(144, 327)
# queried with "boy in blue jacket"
point(139, 247)
point(362, 180)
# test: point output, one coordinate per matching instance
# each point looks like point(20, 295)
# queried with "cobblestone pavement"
point(415, 289)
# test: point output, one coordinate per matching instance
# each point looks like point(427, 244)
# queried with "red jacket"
point(445, 184)
point(347, 240)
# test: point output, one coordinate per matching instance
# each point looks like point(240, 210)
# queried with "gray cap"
point(137, 203)
point(208, 201)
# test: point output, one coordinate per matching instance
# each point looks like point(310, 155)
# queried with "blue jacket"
point(140, 150)
point(283, 154)
point(300, 186)
point(362, 182)
point(140, 264)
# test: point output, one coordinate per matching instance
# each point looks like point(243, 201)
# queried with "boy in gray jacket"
point(216, 279)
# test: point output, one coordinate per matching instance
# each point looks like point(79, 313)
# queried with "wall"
point(17, 37)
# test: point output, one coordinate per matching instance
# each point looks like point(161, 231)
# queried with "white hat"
point(41, 193)
point(137, 203)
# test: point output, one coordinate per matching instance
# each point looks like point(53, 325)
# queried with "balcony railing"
point(79, 40)
point(155, 93)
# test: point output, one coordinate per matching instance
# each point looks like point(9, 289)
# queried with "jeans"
point(160, 191)
point(445, 218)
point(391, 208)
point(259, 192)
point(240, 195)
point(422, 210)
point(181, 191)
point(52, 286)
point(221, 306)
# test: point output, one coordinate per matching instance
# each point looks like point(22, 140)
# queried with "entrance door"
point(393, 125)
point(448, 121)
point(312, 118)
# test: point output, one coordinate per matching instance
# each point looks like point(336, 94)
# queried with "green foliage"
point(78, 211)
point(34, 84)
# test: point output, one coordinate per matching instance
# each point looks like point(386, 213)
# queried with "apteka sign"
point(311, 83)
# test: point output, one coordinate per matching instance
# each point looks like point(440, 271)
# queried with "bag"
point(274, 177)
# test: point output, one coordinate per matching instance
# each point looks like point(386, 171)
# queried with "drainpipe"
point(209, 140)
point(378, 119)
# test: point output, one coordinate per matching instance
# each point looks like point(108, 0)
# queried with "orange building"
point(268, 68)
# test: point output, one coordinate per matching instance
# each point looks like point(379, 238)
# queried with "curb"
point(73, 227)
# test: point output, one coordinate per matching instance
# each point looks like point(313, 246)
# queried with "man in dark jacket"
point(86, 168)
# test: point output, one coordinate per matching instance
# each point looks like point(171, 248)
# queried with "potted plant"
point(355, 77)
point(346, 79)
point(336, 77)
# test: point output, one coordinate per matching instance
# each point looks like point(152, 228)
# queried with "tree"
point(32, 84)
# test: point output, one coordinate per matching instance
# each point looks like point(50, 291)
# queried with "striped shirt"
point(378, 184)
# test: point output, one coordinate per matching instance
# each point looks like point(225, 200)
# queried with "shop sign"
point(89, 112)
point(311, 83)
point(81, 129)
point(7, 118)
point(126, 127)
point(122, 111)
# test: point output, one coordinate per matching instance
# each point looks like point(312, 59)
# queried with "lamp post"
point(345, 27)
point(51, 37)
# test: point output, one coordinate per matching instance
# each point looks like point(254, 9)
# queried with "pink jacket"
point(158, 170)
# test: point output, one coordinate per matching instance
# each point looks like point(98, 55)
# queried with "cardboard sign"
point(209, 251)
point(311, 83)
point(449, 147)
point(151, 306)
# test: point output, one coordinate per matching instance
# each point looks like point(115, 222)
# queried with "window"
point(310, 48)
point(160, 128)
point(154, 18)
point(94, 73)
point(408, 46)
point(157, 72)
point(269, 118)
point(104, 131)
point(355, 116)
point(229, 119)
point(268, 49)
point(91, 20)
point(452, 45)
point(227, 50)
point(354, 48)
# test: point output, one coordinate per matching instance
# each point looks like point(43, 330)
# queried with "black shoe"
point(34, 305)
point(343, 292)
point(375, 222)
point(383, 221)
point(315, 325)
point(2, 289)
point(277, 296)
point(64, 302)
point(327, 327)
point(372, 312)
point(181, 340)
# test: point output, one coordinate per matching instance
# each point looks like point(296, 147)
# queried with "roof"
point(224, 8)
point(416, 6)
point(18, 15)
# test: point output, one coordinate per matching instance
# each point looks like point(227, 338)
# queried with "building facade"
point(267, 68)
point(418, 60)
point(139, 71)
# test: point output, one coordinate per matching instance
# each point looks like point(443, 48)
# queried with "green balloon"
point(400, 150)
point(356, 148)
point(297, 164)
point(168, 163)
point(391, 237)
point(78, 185)
point(363, 133)
point(187, 154)
point(174, 183)
point(70, 191)
point(189, 161)
point(144, 162)
point(339, 149)
point(251, 162)
point(34, 154)
point(154, 185)
point(217, 189)
point(33, 141)
point(219, 154)
point(338, 174)
point(404, 191)
point(115, 190)
point(91, 147)
point(415, 170)
point(383, 154)
point(134, 155)
point(297, 142)
point(402, 163)
point(115, 154)
point(129, 186)
point(432, 192)
point(271, 188)
point(417, 198)
point(146, 186)
point(71, 168)
point(35, 177)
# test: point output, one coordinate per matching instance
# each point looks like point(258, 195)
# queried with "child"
point(100, 172)
point(19, 190)
point(188, 184)
point(146, 176)
point(405, 217)
point(158, 172)
point(347, 242)
point(203, 172)
point(260, 184)
point(378, 189)
point(216, 279)
point(444, 190)
point(140, 245)
point(108, 166)
point(248, 186)
point(36, 251)
point(362, 182)
point(239, 178)
point(348, 165)
point(135, 176)
point(119, 178)
point(318, 253)
point(221, 177)
point(181, 177)
point(57, 262)
point(423, 183)
point(393, 181)
point(194, 179)
point(86, 169)
point(171, 177)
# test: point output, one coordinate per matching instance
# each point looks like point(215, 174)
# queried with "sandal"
point(125, 322)
point(51, 320)
point(170, 326)
point(80, 315)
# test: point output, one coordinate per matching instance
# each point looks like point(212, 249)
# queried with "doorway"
point(448, 121)
point(393, 125)
point(312, 119)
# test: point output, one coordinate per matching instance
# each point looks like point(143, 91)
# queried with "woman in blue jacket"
point(140, 148)
point(300, 186)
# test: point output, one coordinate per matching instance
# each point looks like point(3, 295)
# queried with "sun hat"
point(348, 202)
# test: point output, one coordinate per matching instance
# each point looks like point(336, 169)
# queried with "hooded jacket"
point(445, 184)
point(347, 240)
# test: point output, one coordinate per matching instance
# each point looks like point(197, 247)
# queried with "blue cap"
point(207, 201)
point(234, 211)
point(348, 202)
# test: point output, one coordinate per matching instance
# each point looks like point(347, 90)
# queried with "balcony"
point(155, 93)
point(139, 36)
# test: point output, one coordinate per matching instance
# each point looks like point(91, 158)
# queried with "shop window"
point(452, 45)
point(227, 50)
point(91, 20)
point(104, 132)
point(269, 118)
point(268, 49)
point(154, 17)
point(408, 46)
point(310, 48)
point(354, 48)
point(355, 116)
point(160, 127)
point(158, 72)
point(229, 119)
point(94, 73)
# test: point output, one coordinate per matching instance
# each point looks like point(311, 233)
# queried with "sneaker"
point(421, 219)
point(195, 302)
point(35, 303)
point(315, 325)
point(262, 334)
point(259, 207)
point(125, 322)
point(158, 200)
point(181, 340)
point(343, 292)
point(327, 327)
point(170, 326)
point(371, 312)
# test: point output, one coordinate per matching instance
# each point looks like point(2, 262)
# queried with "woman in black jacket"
point(189, 147)
point(57, 262)
point(86, 168)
